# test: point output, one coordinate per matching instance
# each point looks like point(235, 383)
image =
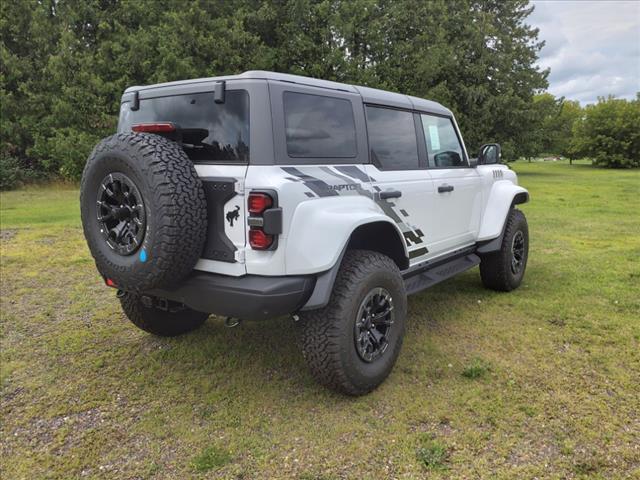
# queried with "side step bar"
point(428, 277)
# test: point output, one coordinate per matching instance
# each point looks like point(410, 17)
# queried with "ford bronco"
point(262, 194)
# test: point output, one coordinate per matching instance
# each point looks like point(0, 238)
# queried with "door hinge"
point(240, 186)
point(239, 255)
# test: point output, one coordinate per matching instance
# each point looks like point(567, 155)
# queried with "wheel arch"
point(502, 198)
point(320, 230)
point(379, 236)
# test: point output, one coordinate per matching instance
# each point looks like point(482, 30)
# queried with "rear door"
point(402, 183)
point(216, 137)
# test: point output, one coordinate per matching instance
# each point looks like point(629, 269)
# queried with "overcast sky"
point(592, 47)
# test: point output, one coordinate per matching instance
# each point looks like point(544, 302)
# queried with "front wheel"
point(503, 270)
point(160, 317)
point(352, 344)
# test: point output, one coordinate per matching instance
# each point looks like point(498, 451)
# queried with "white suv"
point(264, 194)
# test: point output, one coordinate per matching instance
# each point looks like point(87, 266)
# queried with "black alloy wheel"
point(121, 213)
point(373, 324)
point(517, 252)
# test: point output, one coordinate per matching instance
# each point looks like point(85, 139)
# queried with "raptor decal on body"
point(351, 177)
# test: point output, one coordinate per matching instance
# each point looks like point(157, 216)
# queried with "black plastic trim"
point(250, 297)
point(272, 221)
point(219, 92)
point(521, 197)
point(435, 262)
point(324, 286)
point(135, 101)
point(218, 191)
point(440, 272)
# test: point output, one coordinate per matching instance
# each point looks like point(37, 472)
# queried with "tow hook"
point(231, 322)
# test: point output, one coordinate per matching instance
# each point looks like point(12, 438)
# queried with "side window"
point(319, 126)
point(443, 146)
point(392, 139)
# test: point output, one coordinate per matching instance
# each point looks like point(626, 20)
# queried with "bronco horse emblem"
point(233, 215)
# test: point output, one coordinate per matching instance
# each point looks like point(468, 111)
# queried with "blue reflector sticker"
point(143, 255)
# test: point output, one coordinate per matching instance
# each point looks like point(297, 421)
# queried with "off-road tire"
point(495, 268)
point(327, 334)
point(164, 323)
point(174, 204)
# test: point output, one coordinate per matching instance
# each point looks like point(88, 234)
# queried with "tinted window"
point(318, 126)
point(210, 131)
point(392, 139)
point(443, 146)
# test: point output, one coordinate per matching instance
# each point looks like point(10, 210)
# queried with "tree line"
point(607, 132)
point(65, 63)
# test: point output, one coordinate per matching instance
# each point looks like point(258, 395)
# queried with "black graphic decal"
point(314, 184)
point(346, 174)
point(353, 172)
point(233, 215)
point(418, 252)
point(411, 237)
point(337, 175)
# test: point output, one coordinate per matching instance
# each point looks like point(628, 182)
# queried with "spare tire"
point(143, 210)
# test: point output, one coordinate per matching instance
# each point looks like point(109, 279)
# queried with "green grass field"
point(543, 382)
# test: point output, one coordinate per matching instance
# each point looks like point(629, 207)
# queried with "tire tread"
point(321, 329)
point(179, 207)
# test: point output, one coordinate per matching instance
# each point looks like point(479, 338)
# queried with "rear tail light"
point(259, 240)
point(154, 127)
point(261, 206)
point(259, 202)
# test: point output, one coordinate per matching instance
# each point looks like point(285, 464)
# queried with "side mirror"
point(473, 162)
point(490, 153)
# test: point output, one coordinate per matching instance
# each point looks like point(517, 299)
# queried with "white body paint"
point(316, 229)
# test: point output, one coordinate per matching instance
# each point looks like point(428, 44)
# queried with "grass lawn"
point(541, 382)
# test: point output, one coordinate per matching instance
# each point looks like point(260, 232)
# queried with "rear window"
point(318, 126)
point(211, 132)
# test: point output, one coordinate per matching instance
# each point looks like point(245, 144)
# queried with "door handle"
point(445, 188)
point(390, 194)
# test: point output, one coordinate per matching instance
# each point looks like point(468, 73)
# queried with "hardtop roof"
point(369, 95)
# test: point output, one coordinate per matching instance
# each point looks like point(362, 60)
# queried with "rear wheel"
point(352, 344)
point(160, 317)
point(503, 270)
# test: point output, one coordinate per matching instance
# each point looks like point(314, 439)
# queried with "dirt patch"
point(7, 235)
point(41, 432)
point(441, 427)
point(528, 452)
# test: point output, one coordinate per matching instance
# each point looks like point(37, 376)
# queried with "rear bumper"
point(250, 297)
